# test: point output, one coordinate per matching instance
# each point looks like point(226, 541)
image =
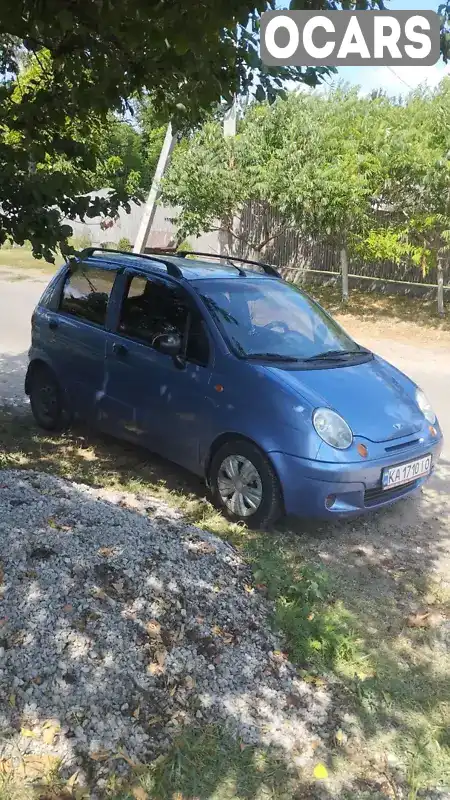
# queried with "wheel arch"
point(34, 366)
point(222, 439)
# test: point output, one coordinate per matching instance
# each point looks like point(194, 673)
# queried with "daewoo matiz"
point(234, 374)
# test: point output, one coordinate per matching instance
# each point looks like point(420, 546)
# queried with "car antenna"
point(236, 266)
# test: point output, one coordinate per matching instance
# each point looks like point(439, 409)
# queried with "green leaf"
point(260, 94)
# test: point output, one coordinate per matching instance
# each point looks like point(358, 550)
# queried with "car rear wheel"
point(244, 485)
point(46, 400)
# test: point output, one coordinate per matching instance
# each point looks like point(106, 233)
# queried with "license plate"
point(406, 473)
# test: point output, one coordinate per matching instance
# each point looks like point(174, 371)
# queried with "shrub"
point(184, 246)
point(81, 242)
point(125, 245)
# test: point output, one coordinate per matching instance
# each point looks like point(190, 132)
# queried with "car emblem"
point(398, 426)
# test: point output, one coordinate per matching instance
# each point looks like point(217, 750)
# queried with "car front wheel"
point(244, 485)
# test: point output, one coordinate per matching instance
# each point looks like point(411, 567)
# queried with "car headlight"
point(425, 407)
point(332, 428)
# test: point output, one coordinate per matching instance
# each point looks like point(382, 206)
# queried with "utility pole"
point(148, 214)
point(229, 120)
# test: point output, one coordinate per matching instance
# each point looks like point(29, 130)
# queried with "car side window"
point(86, 293)
point(151, 307)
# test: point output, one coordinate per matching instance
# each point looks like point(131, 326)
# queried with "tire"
point(46, 400)
point(238, 458)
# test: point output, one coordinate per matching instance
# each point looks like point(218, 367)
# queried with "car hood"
point(368, 396)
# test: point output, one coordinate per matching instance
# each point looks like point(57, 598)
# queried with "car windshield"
point(273, 320)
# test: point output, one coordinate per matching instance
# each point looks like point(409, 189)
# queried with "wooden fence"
point(298, 256)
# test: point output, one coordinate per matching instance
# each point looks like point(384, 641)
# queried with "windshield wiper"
point(273, 357)
point(338, 354)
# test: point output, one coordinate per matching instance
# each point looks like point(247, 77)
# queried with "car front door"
point(150, 397)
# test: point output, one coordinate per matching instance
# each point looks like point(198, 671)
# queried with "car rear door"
point(73, 333)
point(151, 397)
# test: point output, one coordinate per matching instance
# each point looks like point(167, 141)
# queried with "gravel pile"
point(120, 624)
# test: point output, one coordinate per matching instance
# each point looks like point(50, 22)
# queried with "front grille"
point(401, 446)
point(374, 496)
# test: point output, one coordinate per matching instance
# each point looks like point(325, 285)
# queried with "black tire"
point(46, 399)
point(270, 508)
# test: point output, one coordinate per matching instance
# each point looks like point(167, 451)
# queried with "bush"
point(184, 246)
point(81, 242)
point(125, 245)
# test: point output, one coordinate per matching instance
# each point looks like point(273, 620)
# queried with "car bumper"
point(330, 491)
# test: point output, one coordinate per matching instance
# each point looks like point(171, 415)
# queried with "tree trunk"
point(344, 273)
point(440, 283)
point(226, 236)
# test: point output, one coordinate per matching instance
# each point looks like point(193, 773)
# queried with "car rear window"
point(86, 293)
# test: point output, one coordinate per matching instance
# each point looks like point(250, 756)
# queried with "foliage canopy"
point(84, 61)
point(372, 172)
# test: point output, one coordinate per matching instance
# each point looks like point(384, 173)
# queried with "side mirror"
point(168, 343)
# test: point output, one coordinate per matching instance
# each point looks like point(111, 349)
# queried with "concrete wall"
point(163, 233)
point(124, 226)
point(100, 230)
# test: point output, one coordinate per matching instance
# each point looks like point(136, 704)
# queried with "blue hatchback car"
point(236, 375)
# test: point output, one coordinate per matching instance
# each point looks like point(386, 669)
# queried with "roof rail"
point(269, 269)
point(172, 268)
point(182, 253)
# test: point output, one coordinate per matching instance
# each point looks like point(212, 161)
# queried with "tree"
point(372, 173)
point(311, 159)
point(444, 13)
point(121, 163)
point(417, 156)
point(45, 173)
point(152, 128)
point(90, 59)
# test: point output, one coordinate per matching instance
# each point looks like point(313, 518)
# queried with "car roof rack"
point(182, 253)
point(269, 269)
point(172, 268)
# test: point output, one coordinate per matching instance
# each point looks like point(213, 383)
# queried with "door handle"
point(53, 324)
point(119, 349)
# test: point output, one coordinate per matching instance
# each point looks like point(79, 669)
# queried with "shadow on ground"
point(382, 308)
point(389, 576)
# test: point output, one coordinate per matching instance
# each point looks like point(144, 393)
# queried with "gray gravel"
point(120, 623)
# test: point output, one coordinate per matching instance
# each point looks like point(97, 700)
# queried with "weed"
point(317, 628)
point(209, 764)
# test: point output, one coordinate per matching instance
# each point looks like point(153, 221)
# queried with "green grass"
point(208, 764)
point(343, 630)
point(18, 258)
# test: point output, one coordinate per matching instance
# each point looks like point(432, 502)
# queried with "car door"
point(75, 333)
point(151, 397)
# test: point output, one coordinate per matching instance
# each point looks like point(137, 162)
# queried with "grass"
point(209, 764)
point(22, 258)
point(343, 630)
